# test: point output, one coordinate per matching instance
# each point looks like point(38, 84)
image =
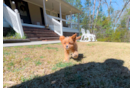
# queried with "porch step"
point(69, 34)
point(34, 39)
point(47, 38)
point(44, 38)
point(40, 34)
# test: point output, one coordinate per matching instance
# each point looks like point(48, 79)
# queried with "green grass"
point(31, 46)
point(6, 53)
point(58, 44)
point(41, 57)
point(27, 58)
point(90, 44)
point(61, 65)
point(38, 63)
point(18, 46)
point(52, 48)
point(14, 36)
point(24, 79)
point(8, 68)
point(45, 62)
point(34, 46)
point(11, 64)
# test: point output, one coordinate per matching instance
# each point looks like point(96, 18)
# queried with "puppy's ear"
point(74, 37)
point(61, 38)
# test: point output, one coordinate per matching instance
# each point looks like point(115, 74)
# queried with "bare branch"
point(115, 2)
point(105, 1)
point(122, 11)
point(97, 12)
point(127, 23)
point(98, 8)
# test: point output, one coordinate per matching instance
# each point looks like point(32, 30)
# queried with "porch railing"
point(54, 23)
point(13, 18)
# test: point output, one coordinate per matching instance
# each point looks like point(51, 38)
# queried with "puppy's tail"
point(78, 37)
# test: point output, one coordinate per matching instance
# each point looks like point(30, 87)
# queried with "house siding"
point(35, 13)
point(13, 7)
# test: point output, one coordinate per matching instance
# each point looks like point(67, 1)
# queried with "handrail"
point(54, 25)
point(11, 11)
point(59, 28)
point(62, 19)
point(13, 18)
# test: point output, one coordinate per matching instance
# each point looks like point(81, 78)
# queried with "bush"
point(14, 36)
point(17, 35)
point(11, 32)
point(101, 39)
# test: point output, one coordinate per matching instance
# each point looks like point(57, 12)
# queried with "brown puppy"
point(70, 46)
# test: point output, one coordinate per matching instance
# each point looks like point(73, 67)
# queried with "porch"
point(56, 14)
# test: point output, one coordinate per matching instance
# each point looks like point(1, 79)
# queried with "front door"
point(7, 2)
point(42, 16)
point(23, 9)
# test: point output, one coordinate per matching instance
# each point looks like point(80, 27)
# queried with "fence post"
point(19, 23)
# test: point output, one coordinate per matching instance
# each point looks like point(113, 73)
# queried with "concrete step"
point(49, 38)
point(41, 35)
point(38, 34)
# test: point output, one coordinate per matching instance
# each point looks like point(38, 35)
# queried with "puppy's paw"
point(75, 55)
point(65, 60)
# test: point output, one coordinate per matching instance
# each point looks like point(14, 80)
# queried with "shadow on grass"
point(109, 74)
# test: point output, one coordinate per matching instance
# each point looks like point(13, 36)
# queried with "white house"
point(32, 16)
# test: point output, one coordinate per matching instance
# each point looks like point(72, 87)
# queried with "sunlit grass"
point(22, 63)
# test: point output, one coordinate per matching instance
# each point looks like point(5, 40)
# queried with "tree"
point(93, 14)
point(126, 3)
point(97, 13)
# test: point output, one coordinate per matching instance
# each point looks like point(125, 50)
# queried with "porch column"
point(71, 18)
point(44, 8)
point(79, 23)
point(61, 20)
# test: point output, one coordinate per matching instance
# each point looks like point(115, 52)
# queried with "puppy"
point(70, 46)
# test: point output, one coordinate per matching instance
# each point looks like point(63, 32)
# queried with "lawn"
point(100, 65)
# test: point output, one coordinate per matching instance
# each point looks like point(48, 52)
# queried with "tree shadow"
point(109, 74)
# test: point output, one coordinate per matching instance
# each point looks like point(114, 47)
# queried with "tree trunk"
point(97, 12)
point(93, 15)
point(106, 3)
point(90, 21)
point(122, 11)
point(109, 8)
point(98, 9)
point(127, 23)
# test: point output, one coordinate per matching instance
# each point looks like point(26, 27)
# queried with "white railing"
point(56, 25)
point(13, 18)
point(70, 23)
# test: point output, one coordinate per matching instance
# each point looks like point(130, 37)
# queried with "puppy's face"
point(68, 42)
